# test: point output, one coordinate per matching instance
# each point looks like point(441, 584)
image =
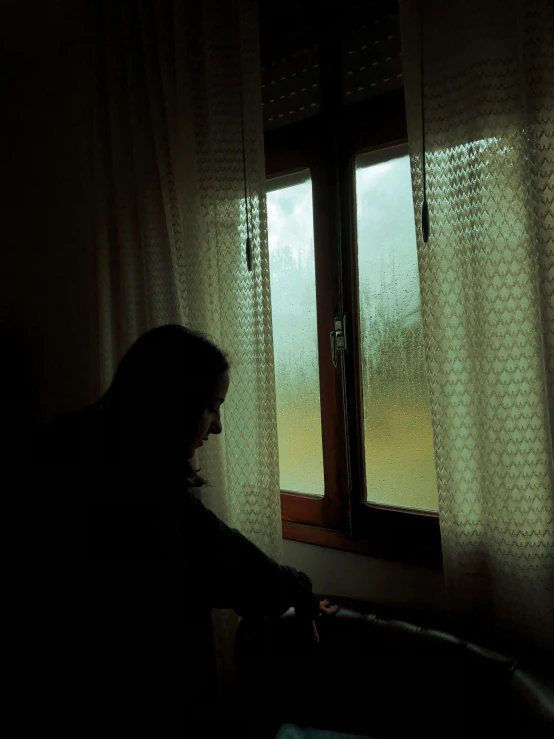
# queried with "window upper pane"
point(398, 438)
point(293, 306)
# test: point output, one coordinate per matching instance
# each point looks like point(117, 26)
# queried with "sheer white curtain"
point(175, 84)
point(487, 286)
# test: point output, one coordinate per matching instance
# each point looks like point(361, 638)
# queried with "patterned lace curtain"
point(176, 81)
point(487, 286)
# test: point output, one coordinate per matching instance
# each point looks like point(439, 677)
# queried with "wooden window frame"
point(330, 510)
point(328, 144)
point(397, 533)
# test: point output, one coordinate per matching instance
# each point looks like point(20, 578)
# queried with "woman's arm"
point(223, 569)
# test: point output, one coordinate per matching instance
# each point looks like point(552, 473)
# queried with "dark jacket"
point(155, 561)
point(180, 561)
point(229, 571)
point(221, 567)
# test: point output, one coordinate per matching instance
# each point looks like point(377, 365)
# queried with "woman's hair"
point(162, 385)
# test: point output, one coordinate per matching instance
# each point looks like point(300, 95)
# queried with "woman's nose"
point(216, 427)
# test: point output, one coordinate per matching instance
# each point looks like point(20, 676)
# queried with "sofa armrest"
point(380, 677)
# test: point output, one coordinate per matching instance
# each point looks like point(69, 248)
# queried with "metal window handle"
point(338, 338)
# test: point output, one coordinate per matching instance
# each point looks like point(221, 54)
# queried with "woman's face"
point(210, 420)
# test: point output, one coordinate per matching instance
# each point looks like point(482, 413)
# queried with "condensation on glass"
point(398, 439)
point(293, 306)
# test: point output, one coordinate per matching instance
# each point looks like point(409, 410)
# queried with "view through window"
point(398, 439)
point(293, 300)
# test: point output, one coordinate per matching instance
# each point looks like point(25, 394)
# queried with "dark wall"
point(47, 316)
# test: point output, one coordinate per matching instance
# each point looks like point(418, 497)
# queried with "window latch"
point(338, 338)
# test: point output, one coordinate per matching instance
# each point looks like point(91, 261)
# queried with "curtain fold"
point(175, 83)
point(487, 290)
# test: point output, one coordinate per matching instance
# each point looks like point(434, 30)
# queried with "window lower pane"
point(293, 305)
point(398, 441)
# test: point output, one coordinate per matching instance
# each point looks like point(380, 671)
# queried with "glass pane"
point(398, 442)
point(293, 305)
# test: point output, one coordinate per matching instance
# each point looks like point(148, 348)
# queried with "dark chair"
point(385, 678)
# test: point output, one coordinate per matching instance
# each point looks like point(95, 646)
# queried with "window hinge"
point(338, 338)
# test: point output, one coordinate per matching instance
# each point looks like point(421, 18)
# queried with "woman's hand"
point(324, 607)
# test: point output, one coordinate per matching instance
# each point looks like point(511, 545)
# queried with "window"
point(294, 314)
point(398, 440)
point(354, 427)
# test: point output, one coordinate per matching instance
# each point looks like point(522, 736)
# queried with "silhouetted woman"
point(137, 442)
point(163, 404)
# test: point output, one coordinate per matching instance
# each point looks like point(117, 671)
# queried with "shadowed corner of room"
point(19, 404)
